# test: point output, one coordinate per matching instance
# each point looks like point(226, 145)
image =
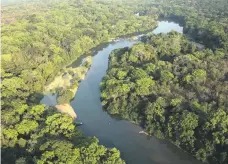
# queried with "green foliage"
point(138, 74)
point(203, 20)
point(143, 86)
point(54, 139)
point(165, 84)
point(174, 95)
point(36, 44)
point(26, 126)
point(59, 152)
point(121, 75)
point(65, 96)
point(9, 137)
point(58, 124)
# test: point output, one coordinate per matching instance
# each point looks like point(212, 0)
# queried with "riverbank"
point(93, 51)
point(117, 132)
point(67, 81)
point(67, 77)
point(66, 108)
point(113, 132)
point(74, 72)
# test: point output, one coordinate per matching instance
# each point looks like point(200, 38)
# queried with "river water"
point(135, 148)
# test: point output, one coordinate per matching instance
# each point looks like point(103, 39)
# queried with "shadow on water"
point(116, 117)
point(92, 52)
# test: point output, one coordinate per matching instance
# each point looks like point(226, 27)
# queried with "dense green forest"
point(36, 43)
point(173, 90)
point(170, 87)
point(38, 46)
point(176, 91)
point(204, 20)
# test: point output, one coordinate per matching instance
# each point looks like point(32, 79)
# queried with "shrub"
point(65, 96)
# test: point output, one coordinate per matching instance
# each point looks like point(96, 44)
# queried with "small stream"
point(135, 148)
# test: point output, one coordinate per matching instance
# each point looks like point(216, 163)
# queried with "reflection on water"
point(166, 27)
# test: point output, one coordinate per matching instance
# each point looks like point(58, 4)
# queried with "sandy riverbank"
point(66, 80)
point(66, 108)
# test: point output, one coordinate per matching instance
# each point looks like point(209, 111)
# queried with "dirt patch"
point(66, 108)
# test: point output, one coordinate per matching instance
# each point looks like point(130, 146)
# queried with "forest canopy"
point(164, 84)
point(38, 39)
point(174, 91)
point(169, 86)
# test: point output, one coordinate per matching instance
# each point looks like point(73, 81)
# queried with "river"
point(135, 148)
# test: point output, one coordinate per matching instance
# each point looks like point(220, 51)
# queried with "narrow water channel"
point(135, 148)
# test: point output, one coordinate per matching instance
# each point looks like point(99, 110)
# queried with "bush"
point(65, 96)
